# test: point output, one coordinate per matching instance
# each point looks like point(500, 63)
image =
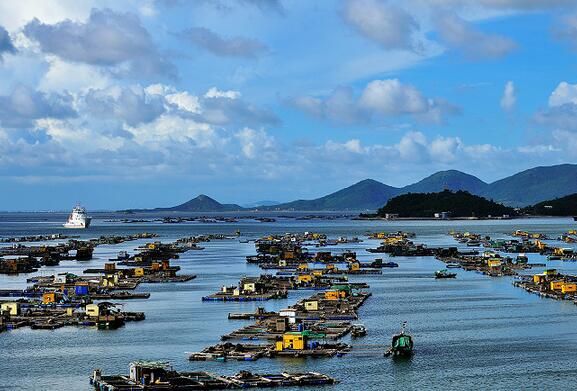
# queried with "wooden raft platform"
point(156, 379)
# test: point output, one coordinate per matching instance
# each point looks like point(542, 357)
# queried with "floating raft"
point(156, 379)
point(242, 297)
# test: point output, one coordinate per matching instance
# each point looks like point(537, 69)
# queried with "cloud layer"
point(271, 93)
point(459, 34)
point(225, 47)
point(388, 25)
point(379, 99)
point(107, 39)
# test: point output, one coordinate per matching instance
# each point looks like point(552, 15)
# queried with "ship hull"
point(78, 224)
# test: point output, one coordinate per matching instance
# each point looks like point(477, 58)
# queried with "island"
point(444, 204)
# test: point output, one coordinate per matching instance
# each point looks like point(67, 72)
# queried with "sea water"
point(473, 332)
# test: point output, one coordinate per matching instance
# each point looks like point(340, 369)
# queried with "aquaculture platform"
point(157, 377)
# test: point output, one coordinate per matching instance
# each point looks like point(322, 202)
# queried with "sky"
point(136, 104)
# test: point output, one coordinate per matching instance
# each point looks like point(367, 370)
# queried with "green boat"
point(444, 274)
point(401, 345)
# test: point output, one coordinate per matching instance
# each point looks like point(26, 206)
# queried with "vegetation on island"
point(564, 206)
point(458, 204)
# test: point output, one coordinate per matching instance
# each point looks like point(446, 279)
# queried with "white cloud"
point(73, 138)
point(476, 44)
point(116, 42)
point(15, 14)
point(412, 147)
point(172, 128)
point(563, 93)
point(214, 92)
point(352, 146)
point(538, 149)
point(184, 101)
point(62, 75)
point(159, 89)
point(379, 98)
point(509, 98)
point(223, 46)
point(254, 142)
point(445, 149)
point(566, 141)
point(561, 113)
point(390, 97)
point(389, 26)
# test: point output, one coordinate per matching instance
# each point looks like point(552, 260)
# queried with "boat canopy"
point(402, 342)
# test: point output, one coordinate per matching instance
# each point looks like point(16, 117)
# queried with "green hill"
point(202, 203)
point(451, 179)
point(525, 188)
point(364, 195)
point(564, 206)
point(534, 185)
point(459, 204)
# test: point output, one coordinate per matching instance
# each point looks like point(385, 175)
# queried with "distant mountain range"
point(256, 204)
point(524, 188)
point(202, 203)
point(367, 194)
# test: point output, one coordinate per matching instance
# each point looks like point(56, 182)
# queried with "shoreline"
point(378, 218)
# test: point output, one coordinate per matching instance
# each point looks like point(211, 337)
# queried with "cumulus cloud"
point(380, 98)
point(559, 121)
point(340, 106)
point(391, 27)
point(129, 105)
point(214, 92)
point(225, 110)
point(6, 45)
point(107, 39)
point(474, 43)
point(159, 129)
point(509, 98)
point(221, 46)
point(561, 115)
point(215, 107)
point(391, 97)
point(254, 142)
point(563, 93)
point(414, 148)
point(24, 105)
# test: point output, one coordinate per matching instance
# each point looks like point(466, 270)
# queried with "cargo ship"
point(78, 218)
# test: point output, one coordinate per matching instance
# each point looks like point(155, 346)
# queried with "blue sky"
point(149, 103)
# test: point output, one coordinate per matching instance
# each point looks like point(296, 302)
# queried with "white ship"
point(78, 218)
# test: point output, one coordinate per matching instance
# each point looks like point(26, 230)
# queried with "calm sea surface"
point(474, 332)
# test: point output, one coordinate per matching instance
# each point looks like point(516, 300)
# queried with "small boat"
point(358, 330)
point(444, 274)
point(522, 258)
point(122, 256)
point(453, 265)
point(553, 257)
point(401, 344)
